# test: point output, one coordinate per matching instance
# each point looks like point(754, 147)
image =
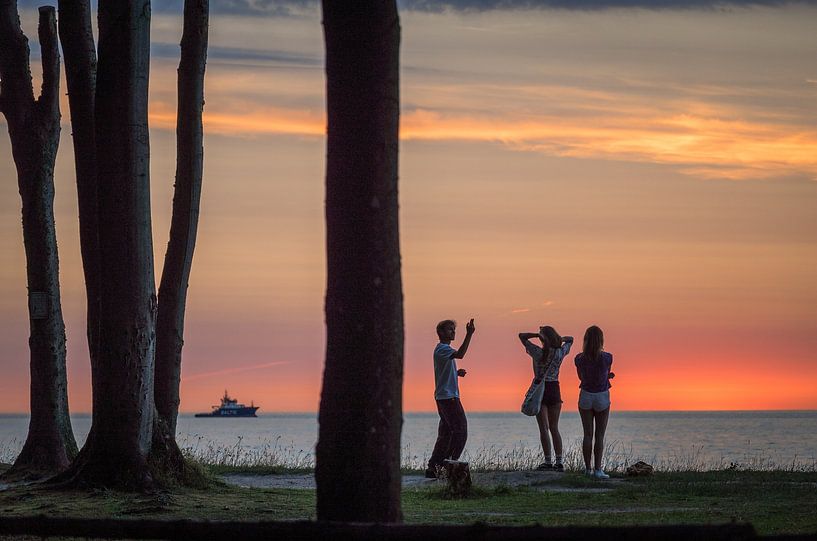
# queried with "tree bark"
point(78, 45)
point(361, 401)
point(34, 129)
point(115, 453)
point(185, 217)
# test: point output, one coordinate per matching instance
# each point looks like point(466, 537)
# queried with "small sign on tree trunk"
point(38, 305)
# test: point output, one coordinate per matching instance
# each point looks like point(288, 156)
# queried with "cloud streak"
point(300, 8)
point(436, 6)
point(237, 54)
point(699, 140)
point(202, 375)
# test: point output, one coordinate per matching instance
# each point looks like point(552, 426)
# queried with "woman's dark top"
point(594, 373)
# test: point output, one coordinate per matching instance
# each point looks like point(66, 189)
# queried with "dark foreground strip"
point(43, 526)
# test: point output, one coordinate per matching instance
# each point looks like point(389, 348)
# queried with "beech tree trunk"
point(358, 451)
point(115, 453)
point(80, 73)
point(185, 218)
point(34, 129)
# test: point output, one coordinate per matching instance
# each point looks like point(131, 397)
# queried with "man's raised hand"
point(470, 328)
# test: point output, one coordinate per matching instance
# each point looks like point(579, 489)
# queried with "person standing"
point(546, 363)
point(452, 431)
point(593, 366)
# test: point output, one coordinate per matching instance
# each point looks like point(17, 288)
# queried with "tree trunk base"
point(35, 463)
point(98, 466)
point(168, 465)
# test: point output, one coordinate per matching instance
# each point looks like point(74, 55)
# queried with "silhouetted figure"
point(546, 363)
point(593, 366)
point(453, 428)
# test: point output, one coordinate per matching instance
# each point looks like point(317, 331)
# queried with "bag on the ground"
point(533, 398)
point(639, 468)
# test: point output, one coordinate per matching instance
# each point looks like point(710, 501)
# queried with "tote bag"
point(533, 398)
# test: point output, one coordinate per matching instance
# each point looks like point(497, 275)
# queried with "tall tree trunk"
point(80, 73)
point(34, 129)
point(185, 218)
point(361, 401)
point(115, 453)
point(183, 228)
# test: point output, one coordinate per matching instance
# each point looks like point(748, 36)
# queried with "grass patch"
point(476, 492)
point(774, 502)
point(254, 469)
point(273, 456)
point(217, 502)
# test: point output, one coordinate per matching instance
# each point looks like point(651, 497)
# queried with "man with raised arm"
point(453, 428)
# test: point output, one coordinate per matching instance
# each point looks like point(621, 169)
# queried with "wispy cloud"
point(298, 8)
point(232, 370)
point(703, 143)
point(584, 5)
point(240, 54)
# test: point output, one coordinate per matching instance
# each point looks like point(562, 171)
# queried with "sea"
point(671, 441)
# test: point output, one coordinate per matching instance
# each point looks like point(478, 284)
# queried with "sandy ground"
point(546, 481)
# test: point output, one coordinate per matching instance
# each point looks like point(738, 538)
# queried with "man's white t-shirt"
point(445, 373)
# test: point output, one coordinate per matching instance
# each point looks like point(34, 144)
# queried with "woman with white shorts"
point(593, 366)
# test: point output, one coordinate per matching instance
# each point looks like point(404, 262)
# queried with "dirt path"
point(546, 481)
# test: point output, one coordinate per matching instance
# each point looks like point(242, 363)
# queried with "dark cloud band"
point(291, 8)
point(584, 5)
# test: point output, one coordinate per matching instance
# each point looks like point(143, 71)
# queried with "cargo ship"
point(231, 408)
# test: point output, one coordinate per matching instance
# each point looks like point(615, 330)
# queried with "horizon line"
point(185, 413)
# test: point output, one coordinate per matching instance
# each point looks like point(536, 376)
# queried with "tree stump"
point(459, 477)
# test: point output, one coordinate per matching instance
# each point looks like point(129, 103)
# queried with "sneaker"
point(544, 466)
point(431, 473)
point(558, 467)
point(599, 474)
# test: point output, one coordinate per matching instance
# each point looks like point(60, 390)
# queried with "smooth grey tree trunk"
point(185, 217)
point(34, 129)
point(116, 451)
point(358, 451)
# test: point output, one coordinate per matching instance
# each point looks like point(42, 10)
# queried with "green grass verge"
point(774, 502)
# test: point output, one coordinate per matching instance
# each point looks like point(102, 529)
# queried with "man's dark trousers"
point(451, 433)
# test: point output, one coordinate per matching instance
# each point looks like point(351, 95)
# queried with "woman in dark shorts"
point(593, 366)
point(546, 363)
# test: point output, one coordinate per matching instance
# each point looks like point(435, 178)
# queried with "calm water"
point(695, 440)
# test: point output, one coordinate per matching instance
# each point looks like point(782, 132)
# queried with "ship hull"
point(231, 412)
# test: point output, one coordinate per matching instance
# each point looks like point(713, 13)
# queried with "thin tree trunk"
point(361, 401)
point(185, 218)
point(115, 453)
point(166, 454)
point(80, 73)
point(34, 129)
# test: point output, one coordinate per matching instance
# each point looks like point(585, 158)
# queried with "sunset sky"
point(651, 171)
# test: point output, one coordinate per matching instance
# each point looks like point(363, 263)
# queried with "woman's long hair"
point(551, 337)
point(593, 343)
